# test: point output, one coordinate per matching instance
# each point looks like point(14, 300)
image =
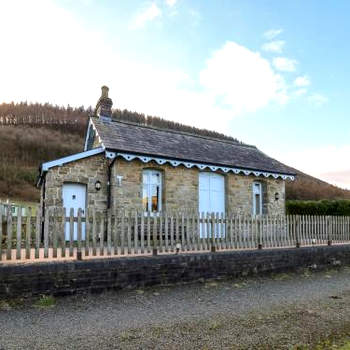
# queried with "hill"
point(35, 133)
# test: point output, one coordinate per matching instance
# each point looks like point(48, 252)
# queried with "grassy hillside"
point(22, 150)
point(35, 133)
point(307, 187)
point(31, 134)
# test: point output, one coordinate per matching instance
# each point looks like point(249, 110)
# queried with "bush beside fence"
point(339, 207)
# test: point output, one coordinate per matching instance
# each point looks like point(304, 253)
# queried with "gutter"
point(109, 182)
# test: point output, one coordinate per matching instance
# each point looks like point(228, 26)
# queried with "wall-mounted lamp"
point(277, 196)
point(98, 185)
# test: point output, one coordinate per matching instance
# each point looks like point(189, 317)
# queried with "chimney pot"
point(104, 106)
point(105, 91)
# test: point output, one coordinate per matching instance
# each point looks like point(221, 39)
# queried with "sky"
point(271, 73)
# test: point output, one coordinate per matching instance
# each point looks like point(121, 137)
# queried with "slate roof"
point(145, 140)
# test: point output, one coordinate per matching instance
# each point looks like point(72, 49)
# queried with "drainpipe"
point(43, 207)
point(109, 183)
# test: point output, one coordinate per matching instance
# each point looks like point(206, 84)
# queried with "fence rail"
point(61, 234)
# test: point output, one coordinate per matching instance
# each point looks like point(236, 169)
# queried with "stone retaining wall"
point(71, 277)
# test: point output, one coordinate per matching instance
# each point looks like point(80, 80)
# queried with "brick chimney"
point(104, 106)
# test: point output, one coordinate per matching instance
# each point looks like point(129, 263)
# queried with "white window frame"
point(149, 173)
point(257, 189)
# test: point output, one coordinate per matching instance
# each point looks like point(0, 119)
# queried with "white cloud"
point(326, 163)
point(67, 64)
point(300, 92)
point(196, 17)
point(170, 3)
point(242, 78)
point(274, 46)
point(56, 55)
point(148, 14)
point(284, 64)
point(318, 100)
point(272, 33)
point(302, 81)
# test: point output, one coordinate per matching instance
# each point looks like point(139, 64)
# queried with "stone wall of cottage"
point(85, 171)
point(180, 186)
point(239, 194)
point(180, 189)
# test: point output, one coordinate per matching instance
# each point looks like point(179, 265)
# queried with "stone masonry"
point(180, 186)
point(180, 189)
point(72, 277)
point(85, 171)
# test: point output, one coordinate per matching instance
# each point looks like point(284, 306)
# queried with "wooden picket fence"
point(62, 235)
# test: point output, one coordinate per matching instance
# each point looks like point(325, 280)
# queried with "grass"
point(9, 304)
point(45, 301)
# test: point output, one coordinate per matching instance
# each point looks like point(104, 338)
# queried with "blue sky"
point(271, 73)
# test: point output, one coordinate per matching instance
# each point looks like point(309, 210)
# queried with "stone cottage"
point(130, 166)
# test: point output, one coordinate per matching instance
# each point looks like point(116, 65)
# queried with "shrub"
point(339, 207)
point(46, 301)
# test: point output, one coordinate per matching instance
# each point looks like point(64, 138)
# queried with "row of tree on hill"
point(34, 133)
point(75, 119)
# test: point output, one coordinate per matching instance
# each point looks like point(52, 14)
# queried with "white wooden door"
point(211, 196)
point(74, 196)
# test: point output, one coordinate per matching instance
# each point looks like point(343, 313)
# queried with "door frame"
point(203, 230)
point(68, 209)
point(225, 187)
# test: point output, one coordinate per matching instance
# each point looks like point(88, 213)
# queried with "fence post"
point(258, 228)
point(71, 231)
point(136, 232)
point(87, 231)
point(297, 228)
point(63, 232)
point(28, 232)
point(79, 253)
point(38, 231)
point(1, 212)
point(212, 219)
point(109, 231)
point(9, 233)
point(19, 233)
point(155, 238)
point(46, 232)
point(55, 229)
point(329, 233)
point(94, 232)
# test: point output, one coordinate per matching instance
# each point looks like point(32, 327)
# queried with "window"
point(152, 191)
point(257, 198)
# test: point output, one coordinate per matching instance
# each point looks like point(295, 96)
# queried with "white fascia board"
point(201, 166)
point(87, 134)
point(58, 162)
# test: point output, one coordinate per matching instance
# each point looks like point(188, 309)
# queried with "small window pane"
point(155, 178)
point(257, 188)
point(145, 198)
point(155, 197)
point(145, 178)
point(257, 204)
point(151, 196)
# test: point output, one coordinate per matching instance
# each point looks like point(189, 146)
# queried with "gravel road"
point(272, 312)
